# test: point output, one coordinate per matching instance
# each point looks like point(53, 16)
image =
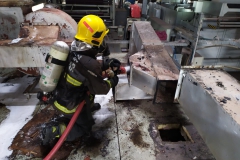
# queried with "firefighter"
point(82, 79)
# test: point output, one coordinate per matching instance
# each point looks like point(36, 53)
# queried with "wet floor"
point(126, 130)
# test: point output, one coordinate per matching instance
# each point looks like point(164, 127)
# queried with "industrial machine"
point(189, 67)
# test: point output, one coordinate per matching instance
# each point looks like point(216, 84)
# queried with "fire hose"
point(122, 70)
point(65, 133)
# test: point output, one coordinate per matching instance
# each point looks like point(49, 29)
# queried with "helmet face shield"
point(92, 30)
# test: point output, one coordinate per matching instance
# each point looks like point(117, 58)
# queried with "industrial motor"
point(55, 62)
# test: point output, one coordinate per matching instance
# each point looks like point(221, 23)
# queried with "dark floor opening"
point(173, 133)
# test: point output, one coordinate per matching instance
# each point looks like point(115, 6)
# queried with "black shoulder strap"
point(50, 59)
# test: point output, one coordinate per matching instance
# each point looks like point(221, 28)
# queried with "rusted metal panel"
point(142, 34)
point(34, 35)
point(162, 63)
point(30, 49)
point(210, 98)
point(30, 71)
point(16, 56)
point(141, 61)
point(156, 62)
point(13, 3)
point(52, 16)
point(166, 71)
point(146, 34)
point(165, 91)
point(10, 19)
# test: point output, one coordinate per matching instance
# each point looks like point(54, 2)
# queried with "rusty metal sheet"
point(10, 19)
point(17, 56)
point(34, 35)
point(31, 49)
point(143, 34)
point(13, 3)
point(52, 16)
point(165, 92)
point(30, 71)
point(158, 63)
point(162, 63)
point(142, 62)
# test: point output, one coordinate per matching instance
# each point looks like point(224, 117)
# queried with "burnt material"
point(136, 137)
point(28, 140)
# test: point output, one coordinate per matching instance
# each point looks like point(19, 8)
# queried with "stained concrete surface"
point(128, 130)
point(4, 112)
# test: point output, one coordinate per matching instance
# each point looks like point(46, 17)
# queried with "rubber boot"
point(95, 107)
point(52, 132)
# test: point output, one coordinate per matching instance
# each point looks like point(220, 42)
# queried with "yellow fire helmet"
point(92, 30)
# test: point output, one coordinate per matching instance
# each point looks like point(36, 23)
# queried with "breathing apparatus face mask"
point(80, 46)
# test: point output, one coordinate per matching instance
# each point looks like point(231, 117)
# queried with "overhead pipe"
point(228, 26)
point(221, 18)
point(66, 132)
point(222, 45)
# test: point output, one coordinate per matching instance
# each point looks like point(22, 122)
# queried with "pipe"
point(234, 23)
point(221, 18)
point(198, 34)
point(222, 45)
point(65, 133)
point(232, 67)
point(228, 26)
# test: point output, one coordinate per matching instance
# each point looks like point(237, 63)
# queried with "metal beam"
point(151, 65)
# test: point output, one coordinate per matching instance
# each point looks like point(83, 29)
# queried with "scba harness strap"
point(51, 59)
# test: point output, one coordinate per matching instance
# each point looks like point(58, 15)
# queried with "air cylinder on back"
point(55, 62)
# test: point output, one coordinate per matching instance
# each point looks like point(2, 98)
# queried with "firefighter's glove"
point(114, 81)
point(113, 63)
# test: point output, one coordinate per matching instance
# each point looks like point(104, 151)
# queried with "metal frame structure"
point(105, 11)
point(212, 28)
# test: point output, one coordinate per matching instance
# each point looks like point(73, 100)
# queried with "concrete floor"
point(129, 130)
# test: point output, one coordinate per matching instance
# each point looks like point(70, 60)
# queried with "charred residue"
point(136, 137)
point(219, 84)
point(97, 144)
point(28, 140)
point(13, 75)
point(225, 99)
point(24, 32)
point(143, 68)
point(134, 103)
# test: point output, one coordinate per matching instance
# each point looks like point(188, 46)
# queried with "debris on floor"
point(4, 112)
point(123, 130)
point(28, 140)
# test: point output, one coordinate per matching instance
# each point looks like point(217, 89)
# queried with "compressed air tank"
point(55, 62)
